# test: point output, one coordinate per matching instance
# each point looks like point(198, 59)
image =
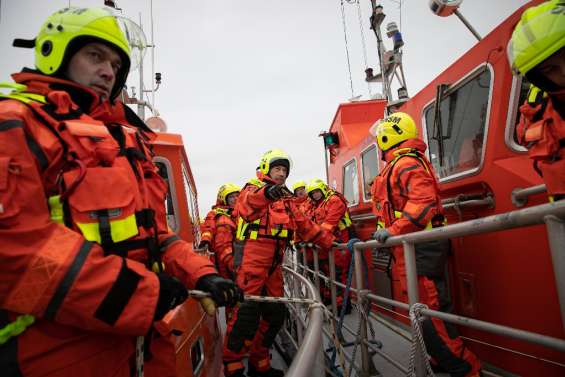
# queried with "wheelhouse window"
point(164, 169)
point(191, 198)
point(456, 141)
point(350, 187)
point(521, 87)
point(370, 165)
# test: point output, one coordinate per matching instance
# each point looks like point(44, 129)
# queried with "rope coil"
point(418, 344)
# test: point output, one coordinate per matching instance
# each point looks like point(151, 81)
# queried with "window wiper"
point(438, 128)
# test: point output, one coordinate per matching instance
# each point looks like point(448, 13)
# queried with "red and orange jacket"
point(332, 214)
point(260, 219)
point(220, 232)
point(207, 226)
point(413, 199)
point(542, 131)
point(80, 202)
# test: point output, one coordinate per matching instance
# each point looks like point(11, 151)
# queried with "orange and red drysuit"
point(406, 199)
point(264, 231)
point(331, 214)
point(305, 205)
point(219, 230)
point(542, 131)
point(81, 220)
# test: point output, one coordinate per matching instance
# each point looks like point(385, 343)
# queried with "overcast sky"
point(243, 76)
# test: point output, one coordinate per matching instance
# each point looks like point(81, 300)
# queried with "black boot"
point(273, 372)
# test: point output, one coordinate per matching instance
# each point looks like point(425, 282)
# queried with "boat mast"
point(390, 61)
point(377, 18)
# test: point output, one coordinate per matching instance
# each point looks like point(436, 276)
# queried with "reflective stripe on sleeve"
point(67, 282)
point(119, 295)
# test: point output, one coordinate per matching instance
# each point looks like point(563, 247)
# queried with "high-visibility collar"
point(219, 211)
point(19, 93)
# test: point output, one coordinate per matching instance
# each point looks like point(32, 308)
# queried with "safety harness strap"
point(119, 295)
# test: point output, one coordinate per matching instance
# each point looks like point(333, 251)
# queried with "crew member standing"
point(537, 51)
point(219, 229)
point(329, 210)
point(406, 199)
point(88, 261)
point(266, 218)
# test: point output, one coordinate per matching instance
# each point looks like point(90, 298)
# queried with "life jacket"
point(542, 131)
point(208, 227)
point(272, 223)
point(345, 222)
point(383, 205)
point(105, 180)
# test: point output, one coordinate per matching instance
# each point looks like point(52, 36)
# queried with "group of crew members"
point(89, 263)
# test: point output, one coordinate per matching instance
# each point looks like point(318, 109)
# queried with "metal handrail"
point(552, 214)
point(509, 220)
point(520, 195)
point(303, 362)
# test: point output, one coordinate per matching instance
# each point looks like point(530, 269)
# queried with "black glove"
point(275, 192)
point(224, 292)
point(171, 294)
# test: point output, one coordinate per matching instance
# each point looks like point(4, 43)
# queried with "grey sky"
point(240, 77)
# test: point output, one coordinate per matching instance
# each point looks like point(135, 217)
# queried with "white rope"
point(418, 344)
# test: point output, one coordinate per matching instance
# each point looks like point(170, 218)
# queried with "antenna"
point(445, 8)
point(390, 61)
point(154, 122)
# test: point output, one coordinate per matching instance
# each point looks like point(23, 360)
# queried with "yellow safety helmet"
point(274, 157)
point(298, 185)
point(394, 129)
point(538, 35)
point(225, 190)
point(69, 29)
point(318, 184)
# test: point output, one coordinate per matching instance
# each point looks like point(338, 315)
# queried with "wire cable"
point(346, 47)
point(360, 17)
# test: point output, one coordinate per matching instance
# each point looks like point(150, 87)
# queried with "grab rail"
point(520, 195)
point(551, 214)
point(304, 363)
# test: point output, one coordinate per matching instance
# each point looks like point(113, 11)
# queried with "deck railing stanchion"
point(316, 268)
point(366, 361)
point(331, 257)
point(556, 236)
point(413, 297)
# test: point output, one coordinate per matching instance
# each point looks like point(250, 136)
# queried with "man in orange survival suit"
point(537, 51)
point(266, 221)
point(219, 229)
point(413, 204)
point(305, 205)
point(329, 209)
point(82, 221)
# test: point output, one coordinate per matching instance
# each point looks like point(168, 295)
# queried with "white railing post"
point(556, 235)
